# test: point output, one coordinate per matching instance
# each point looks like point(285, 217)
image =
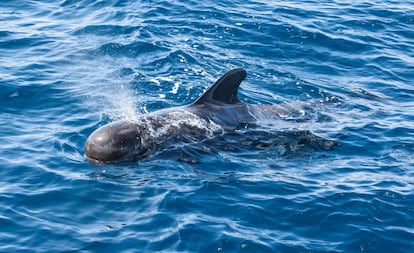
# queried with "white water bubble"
point(175, 88)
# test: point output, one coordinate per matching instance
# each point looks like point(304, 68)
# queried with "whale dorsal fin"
point(224, 90)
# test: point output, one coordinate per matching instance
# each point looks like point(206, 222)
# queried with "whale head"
point(117, 141)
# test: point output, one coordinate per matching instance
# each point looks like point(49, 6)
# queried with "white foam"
point(175, 88)
point(176, 123)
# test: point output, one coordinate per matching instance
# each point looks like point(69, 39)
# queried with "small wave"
point(128, 50)
point(106, 30)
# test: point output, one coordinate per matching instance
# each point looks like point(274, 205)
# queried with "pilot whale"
point(216, 110)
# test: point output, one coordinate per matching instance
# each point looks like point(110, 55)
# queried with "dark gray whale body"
point(217, 110)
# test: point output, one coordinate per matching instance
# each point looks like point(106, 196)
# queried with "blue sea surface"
point(68, 67)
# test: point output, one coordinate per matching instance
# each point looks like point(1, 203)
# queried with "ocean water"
point(68, 67)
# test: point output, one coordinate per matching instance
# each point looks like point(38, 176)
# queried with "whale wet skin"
point(217, 110)
point(131, 140)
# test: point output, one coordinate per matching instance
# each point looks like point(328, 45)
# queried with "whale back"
point(224, 90)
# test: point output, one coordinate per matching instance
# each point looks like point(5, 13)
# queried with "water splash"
point(110, 88)
point(176, 124)
point(121, 103)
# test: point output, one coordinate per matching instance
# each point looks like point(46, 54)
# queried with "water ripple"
point(342, 182)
